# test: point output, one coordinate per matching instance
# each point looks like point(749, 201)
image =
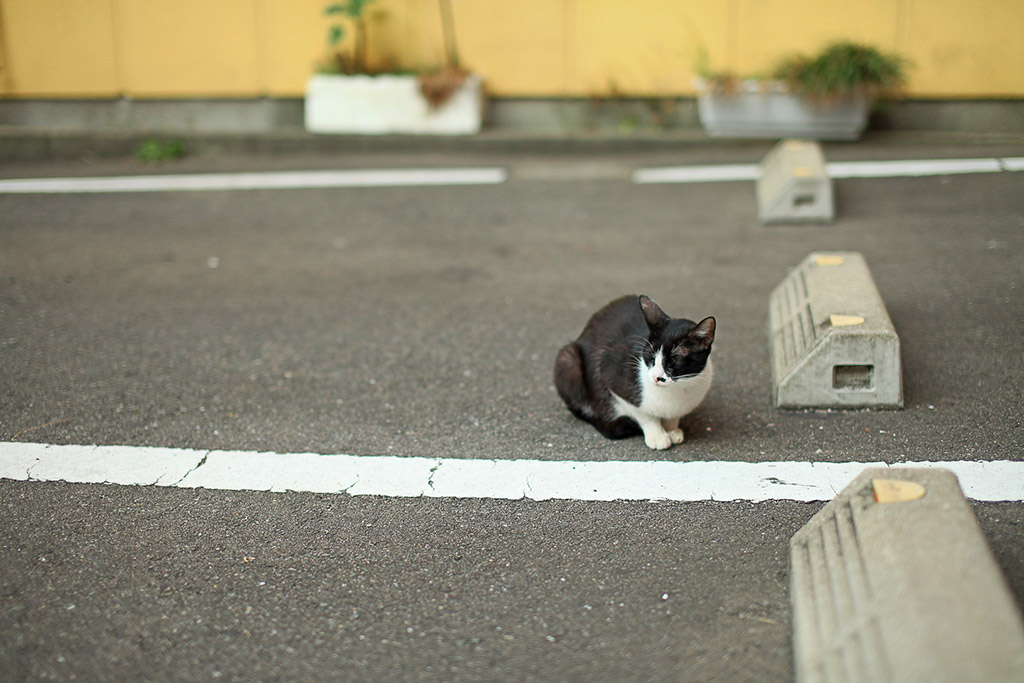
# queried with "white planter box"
point(760, 110)
point(376, 105)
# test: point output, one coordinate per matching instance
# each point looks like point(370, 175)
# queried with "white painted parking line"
point(835, 169)
point(910, 169)
point(696, 174)
point(130, 465)
point(425, 177)
point(395, 476)
point(290, 180)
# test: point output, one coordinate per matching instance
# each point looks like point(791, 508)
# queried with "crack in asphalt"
point(780, 482)
point(202, 461)
point(433, 471)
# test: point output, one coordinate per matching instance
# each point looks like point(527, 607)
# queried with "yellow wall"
point(526, 48)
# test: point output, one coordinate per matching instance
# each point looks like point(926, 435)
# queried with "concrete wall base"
point(547, 116)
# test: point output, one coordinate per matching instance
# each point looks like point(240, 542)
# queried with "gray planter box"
point(769, 110)
point(378, 105)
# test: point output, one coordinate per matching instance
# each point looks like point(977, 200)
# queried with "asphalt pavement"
point(424, 321)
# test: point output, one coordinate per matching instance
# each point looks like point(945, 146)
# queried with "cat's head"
point(677, 348)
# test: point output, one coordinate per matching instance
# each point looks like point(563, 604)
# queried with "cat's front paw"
point(659, 441)
point(676, 435)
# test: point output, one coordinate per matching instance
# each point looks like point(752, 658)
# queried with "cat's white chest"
point(670, 401)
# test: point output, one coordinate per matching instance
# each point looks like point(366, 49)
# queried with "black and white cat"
point(634, 369)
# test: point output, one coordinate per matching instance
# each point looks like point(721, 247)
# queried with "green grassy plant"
point(156, 151)
point(842, 68)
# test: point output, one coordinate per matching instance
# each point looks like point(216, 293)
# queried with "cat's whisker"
point(644, 341)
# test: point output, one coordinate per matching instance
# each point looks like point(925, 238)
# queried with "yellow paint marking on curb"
point(829, 261)
point(838, 320)
point(896, 491)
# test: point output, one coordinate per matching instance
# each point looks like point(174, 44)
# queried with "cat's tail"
point(570, 382)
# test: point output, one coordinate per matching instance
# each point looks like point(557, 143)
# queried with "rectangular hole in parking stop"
point(853, 377)
point(802, 200)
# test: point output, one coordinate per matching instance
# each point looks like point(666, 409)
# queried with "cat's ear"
point(655, 316)
point(703, 333)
